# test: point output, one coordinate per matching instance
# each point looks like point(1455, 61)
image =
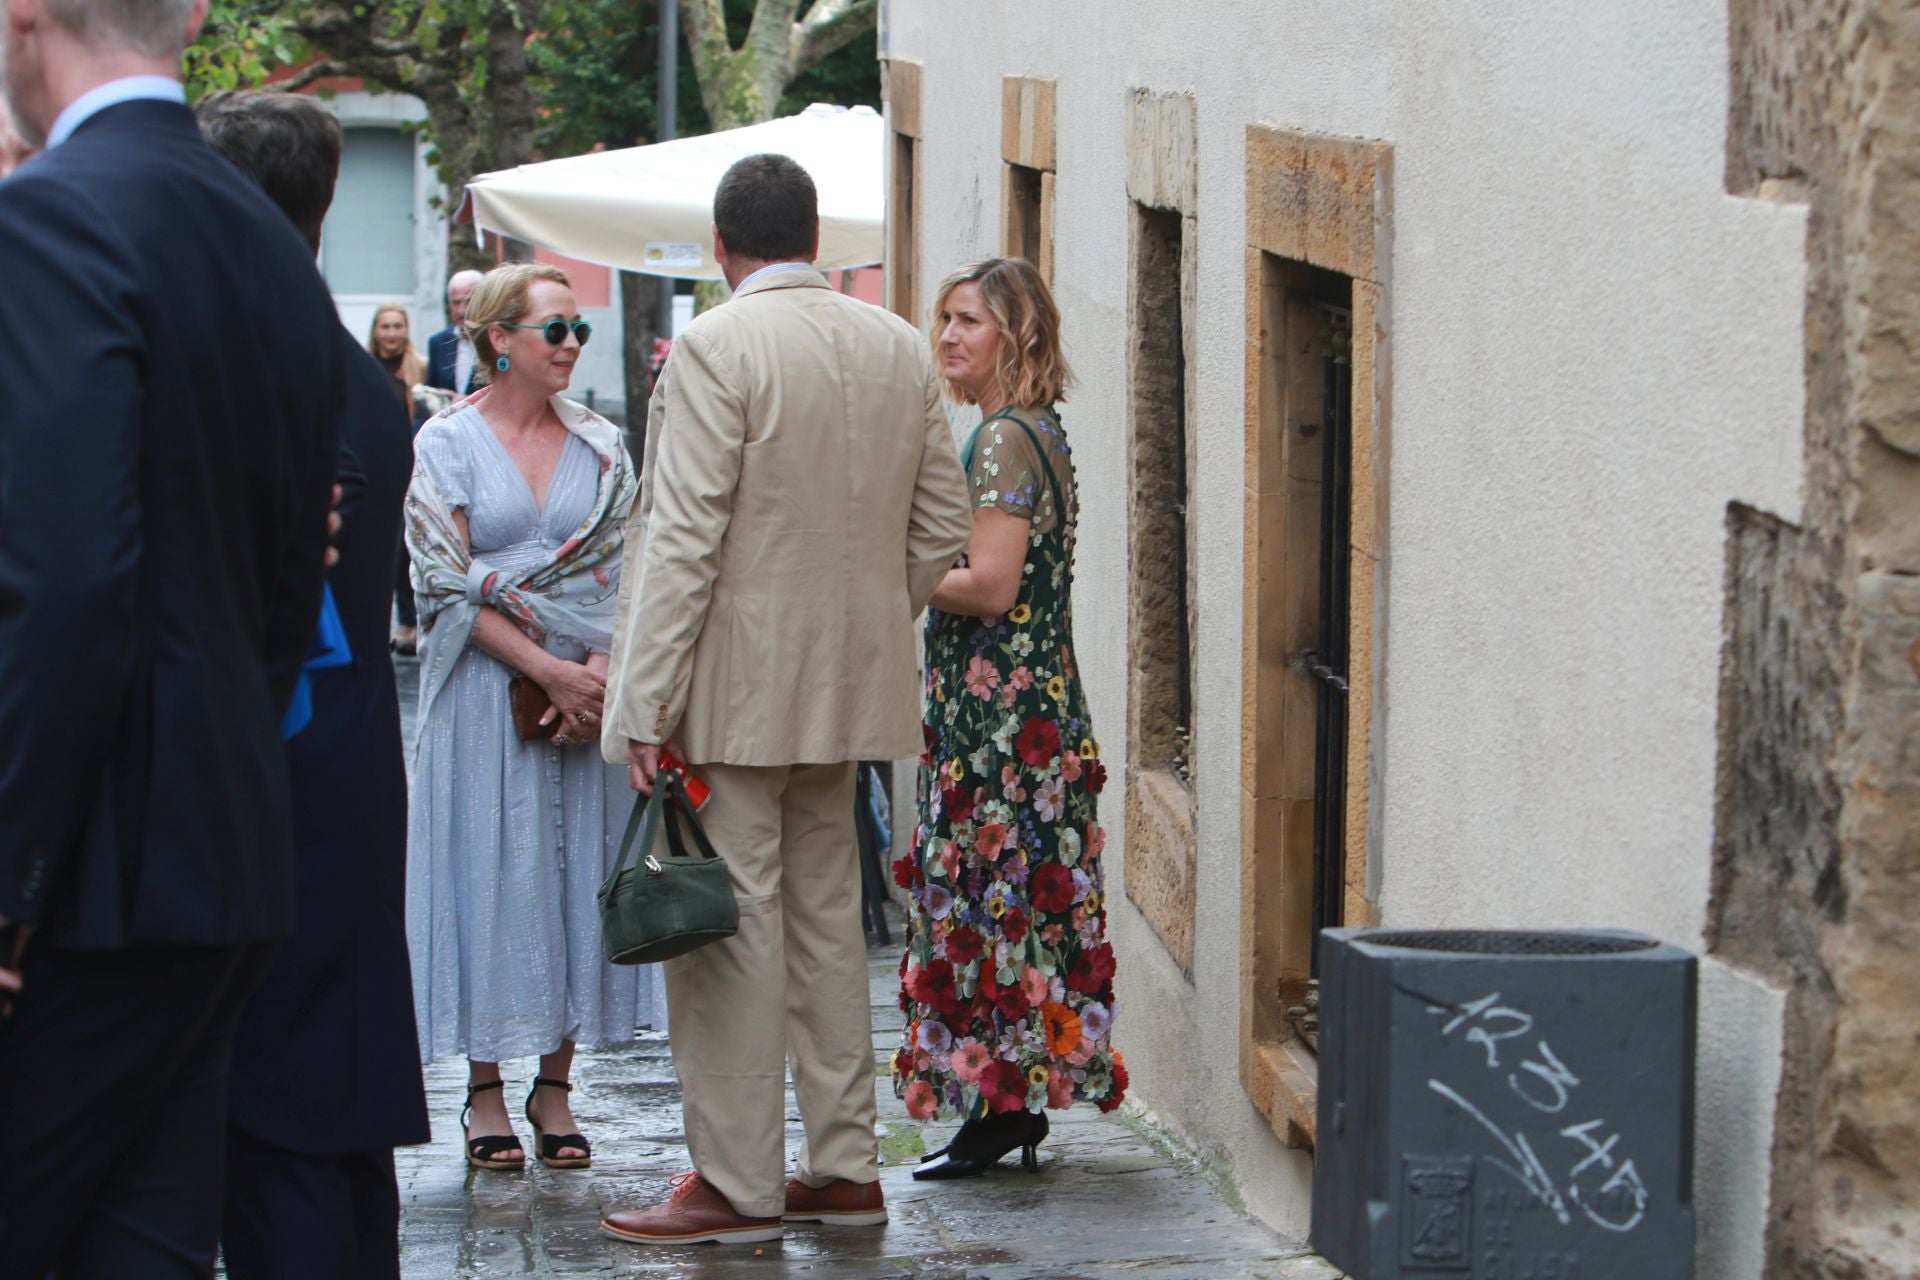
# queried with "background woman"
point(1007, 982)
point(514, 521)
point(390, 341)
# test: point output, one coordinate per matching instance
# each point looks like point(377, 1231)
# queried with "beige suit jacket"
point(801, 501)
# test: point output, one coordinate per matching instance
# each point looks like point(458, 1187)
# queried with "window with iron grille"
point(1318, 393)
point(1306, 334)
point(1327, 661)
point(903, 196)
point(1023, 216)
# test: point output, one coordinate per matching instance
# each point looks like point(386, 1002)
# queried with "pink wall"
point(869, 284)
point(592, 285)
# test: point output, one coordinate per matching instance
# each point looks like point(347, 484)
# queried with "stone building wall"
point(1643, 648)
point(1817, 858)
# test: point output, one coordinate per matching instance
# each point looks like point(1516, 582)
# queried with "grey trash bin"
point(1505, 1105)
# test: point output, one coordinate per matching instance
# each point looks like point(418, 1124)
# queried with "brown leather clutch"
point(529, 702)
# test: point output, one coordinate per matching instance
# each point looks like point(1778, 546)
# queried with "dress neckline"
point(539, 501)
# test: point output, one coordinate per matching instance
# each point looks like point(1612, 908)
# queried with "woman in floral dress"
point(1007, 982)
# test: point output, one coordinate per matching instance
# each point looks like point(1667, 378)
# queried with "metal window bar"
point(1328, 663)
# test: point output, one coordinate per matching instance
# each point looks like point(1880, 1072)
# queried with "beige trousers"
point(791, 984)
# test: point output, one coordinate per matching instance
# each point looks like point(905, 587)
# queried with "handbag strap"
point(680, 813)
point(643, 821)
point(667, 803)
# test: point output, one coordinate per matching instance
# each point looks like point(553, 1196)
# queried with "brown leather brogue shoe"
point(841, 1203)
point(694, 1214)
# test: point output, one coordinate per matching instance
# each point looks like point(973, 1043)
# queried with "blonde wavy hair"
point(1033, 372)
point(501, 298)
point(413, 365)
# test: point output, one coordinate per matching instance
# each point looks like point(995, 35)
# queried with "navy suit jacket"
point(443, 360)
point(326, 1060)
point(169, 387)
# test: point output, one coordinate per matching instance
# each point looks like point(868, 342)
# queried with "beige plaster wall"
point(1594, 350)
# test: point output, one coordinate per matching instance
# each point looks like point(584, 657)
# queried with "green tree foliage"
point(243, 42)
point(598, 65)
point(508, 81)
point(600, 60)
point(466, 60)
point(748, 56)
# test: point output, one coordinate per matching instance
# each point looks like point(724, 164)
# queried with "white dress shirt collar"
point(112, 94)
point(464, 359)
point(772, 269)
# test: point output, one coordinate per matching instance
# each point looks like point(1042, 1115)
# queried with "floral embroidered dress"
point(1007, 982)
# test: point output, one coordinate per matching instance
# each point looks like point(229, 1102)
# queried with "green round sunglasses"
point(555, 331)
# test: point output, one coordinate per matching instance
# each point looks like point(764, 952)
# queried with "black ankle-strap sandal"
point(548, 1146)
point(485, 1153)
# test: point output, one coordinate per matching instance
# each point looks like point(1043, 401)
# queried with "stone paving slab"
point(1105, 1203)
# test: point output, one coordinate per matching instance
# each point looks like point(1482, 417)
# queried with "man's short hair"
point(468, 276)
point(157, 28)
point(288, 144)
point(766, 209)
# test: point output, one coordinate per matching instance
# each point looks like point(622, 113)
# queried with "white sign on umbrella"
point(650, 209)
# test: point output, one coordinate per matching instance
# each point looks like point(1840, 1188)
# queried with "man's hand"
point(13, 945)
point(643, 763)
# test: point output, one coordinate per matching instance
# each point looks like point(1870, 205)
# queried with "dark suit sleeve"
point(71, 389)
point(351, 475)
point(315, 463)
point(442, 360)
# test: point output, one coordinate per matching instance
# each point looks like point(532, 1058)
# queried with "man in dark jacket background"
point(170, 380)
point(326, 1062)
point(450, 355)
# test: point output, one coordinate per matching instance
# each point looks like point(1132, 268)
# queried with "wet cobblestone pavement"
point(1105, 1202)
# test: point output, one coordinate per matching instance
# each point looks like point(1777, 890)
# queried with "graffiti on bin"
point(1601, 1182)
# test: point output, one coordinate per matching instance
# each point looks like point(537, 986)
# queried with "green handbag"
point(660, 908)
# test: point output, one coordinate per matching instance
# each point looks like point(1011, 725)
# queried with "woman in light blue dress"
point(514, 525)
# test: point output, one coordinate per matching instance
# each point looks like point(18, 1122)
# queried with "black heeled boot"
point(983, 1143)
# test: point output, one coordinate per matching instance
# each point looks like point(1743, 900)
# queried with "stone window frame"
point(904, 189)
point(1324, 202)
point(1161, 818)
point(1027, 147)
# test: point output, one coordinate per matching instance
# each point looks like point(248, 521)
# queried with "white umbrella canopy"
point(650, 209)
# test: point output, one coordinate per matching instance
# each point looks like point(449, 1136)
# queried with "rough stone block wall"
point(1817, 860)
point(1776, 866)
point(1157, 504)
point(1162, 849)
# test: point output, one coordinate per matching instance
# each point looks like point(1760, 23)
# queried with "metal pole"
point(666, 107)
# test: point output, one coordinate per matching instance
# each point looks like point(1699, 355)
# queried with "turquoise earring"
point(502, 364)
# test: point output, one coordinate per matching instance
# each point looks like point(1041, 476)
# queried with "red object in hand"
point(698, 792)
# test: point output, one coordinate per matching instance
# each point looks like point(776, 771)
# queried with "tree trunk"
point(639, 313)
point(471, 133)
point(509, 110)
point(743, 86)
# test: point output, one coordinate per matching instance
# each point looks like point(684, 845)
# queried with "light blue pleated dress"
point(508, 840)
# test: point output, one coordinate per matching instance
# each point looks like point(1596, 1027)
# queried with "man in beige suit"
point(802, 500)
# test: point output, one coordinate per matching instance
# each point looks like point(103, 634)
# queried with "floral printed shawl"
point(571, 595)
